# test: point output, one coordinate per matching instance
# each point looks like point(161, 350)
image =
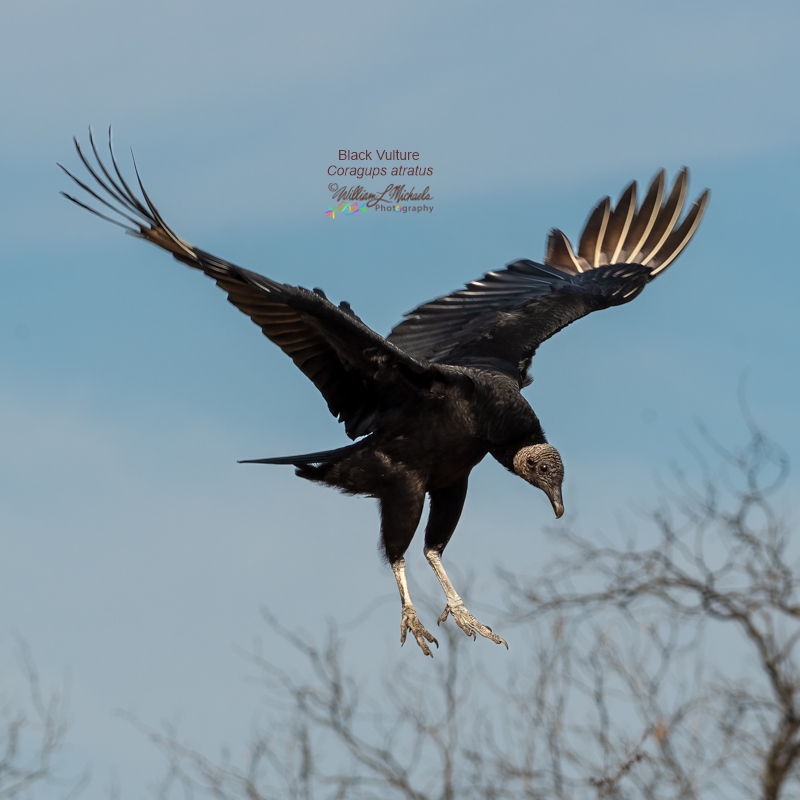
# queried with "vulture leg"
point(446, 505)
point(401, 509)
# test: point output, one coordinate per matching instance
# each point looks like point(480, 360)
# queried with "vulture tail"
point(323, 457)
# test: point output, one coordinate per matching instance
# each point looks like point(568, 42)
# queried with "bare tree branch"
point(32, 739)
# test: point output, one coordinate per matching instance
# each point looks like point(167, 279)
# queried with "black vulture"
point(432, 399)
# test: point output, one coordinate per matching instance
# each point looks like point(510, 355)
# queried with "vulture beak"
point(555, 500)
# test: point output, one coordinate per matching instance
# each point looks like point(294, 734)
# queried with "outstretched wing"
point(357, 371)
point(507, 314)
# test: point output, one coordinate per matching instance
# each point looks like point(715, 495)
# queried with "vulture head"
point(541, 465)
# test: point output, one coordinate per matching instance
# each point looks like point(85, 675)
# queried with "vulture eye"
point(544, 469)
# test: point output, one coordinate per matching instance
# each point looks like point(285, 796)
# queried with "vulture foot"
point(410, 621)
point(468, 623)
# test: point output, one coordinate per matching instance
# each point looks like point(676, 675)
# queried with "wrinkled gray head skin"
point(541, 465)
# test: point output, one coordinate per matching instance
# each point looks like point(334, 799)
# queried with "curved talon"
point(410, 621)
point(469, 624)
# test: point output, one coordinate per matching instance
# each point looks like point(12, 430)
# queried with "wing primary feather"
point(667, 217)
point(560, 253)
point(680, 237)
point(153, 210)
point(118, 192)
point(591, 240)
point(620, 223)
point(100, 199)
point(94, 211)
point(134, 199)
point(645, 218)
point(185, 247)
point(92, 171)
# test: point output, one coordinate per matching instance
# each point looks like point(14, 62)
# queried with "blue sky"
point(136, 552)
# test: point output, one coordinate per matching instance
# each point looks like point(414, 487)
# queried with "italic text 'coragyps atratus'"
point(429, 401)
